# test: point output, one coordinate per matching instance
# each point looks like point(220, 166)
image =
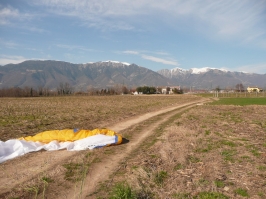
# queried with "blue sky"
point(224, 34)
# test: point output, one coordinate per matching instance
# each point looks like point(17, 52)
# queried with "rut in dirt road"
point(103, 170)
point(26, 171)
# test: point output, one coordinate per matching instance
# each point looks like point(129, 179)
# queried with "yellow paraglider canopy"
point(70, 135)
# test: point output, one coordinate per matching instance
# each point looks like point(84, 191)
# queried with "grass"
point(45, 180)
point(219, 183)
point(28, 116)
point(193, 159)
point(201, 195)
point(160, 177)
point(210, 195)
point(240, 101)
point(178, 167)
point(123, 191)
point(228, 155)
point(242, 192)
point(33, 189)
point(223, 142)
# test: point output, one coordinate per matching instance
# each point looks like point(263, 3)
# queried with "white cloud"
point(6, 14)
point(74, 47)
point(131, 52)
point(6, 59)
point(8, 44)
point(143, 55)
point(242, 19)
point(254, 68)
point(160, 60)
point(9, 14)
point(38, 30)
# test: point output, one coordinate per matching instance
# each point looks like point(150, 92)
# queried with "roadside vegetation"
point(207, 152)
point(215, 150)
point(27, 116)
point(240, 101)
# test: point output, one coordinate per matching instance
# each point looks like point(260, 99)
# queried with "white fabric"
point(14, 148)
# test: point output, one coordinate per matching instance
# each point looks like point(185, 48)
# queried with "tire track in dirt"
point(20, 171)
point(108, 166)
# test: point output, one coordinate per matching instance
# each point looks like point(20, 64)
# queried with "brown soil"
point(43, 174)
point(207, 150)
point(178, 152)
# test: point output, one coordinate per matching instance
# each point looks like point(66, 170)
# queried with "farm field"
point(21, 117)
point(27, 176)
point(195, 151)
point(240, 101)
point(209, 151)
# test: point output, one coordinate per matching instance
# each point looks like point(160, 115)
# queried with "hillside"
point(50, 74)
point(207, 78)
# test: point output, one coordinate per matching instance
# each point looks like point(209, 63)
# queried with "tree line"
point(62, 90)
point(66, 89)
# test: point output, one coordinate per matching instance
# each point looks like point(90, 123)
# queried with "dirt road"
point(22, 172)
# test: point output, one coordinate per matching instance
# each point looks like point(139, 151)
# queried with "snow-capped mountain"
point(49, 74)
point(210, 78)
point(104, 74)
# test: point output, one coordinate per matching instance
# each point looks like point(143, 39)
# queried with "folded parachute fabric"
point(70, 139)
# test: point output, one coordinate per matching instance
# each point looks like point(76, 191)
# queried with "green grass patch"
point(253, 149)
point(182, 195)
point(241, 192)
point(160, 177)
point(228, 143)
point(219, 183)
point(264, 144)
point(261, 194)
point(201, 195)
point(123, 191)
point(228, 155)
point(240, 101)
point(210, 195)
point(207, 132)
point(75, 171)
point(204, 150)
point(178, 167)
point(193, 159)
point(262, 168)
point(203, 182)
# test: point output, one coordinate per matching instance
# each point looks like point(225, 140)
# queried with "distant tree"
point(146, 90)
point(239, 87)
point(64, 89)
point(152, 90)
point(178, 91)
point(124, 90)
point(139, 89)
point(118, 88)
point(217, 88)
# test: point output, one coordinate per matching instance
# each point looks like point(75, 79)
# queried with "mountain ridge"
point(50, 73)
point(103, 74)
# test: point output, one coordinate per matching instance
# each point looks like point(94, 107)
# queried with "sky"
point(155, 34)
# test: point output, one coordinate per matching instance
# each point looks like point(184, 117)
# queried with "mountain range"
point(49, 74)
point(211, 78)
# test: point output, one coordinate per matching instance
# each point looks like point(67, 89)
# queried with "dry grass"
point(210, 150)
point(33, 176)
point(28, 116)
point(206, 150)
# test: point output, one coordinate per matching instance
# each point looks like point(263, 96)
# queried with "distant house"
point(254, 89)
point(170, 90)
point(164, 90)
point(137, 93)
